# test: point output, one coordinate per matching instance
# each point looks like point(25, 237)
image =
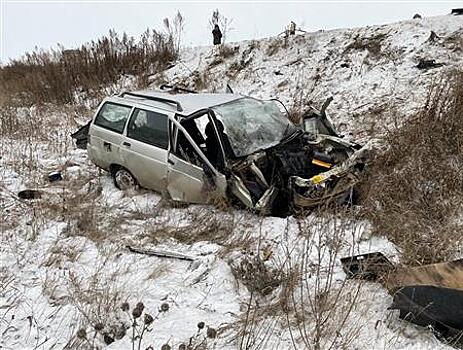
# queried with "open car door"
point(317, 122)
point(191, 177)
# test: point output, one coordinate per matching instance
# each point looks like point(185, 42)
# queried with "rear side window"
point(149, 127)
point(113, 116)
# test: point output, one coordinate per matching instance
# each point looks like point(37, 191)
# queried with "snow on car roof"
point(189, 102)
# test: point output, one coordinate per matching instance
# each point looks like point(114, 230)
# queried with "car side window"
point(113, 116)
point(149, 127)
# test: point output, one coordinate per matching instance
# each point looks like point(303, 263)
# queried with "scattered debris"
point(160, 253)
point(55, 176)
point(29, 194)
point(438, 307)
point(370, 266)
point(429, 295)
point(457, 11)
point(427, 64)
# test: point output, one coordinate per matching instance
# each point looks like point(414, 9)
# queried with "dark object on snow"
point(370, 266)
point(427, 64)
point(174, 89)
point(438, 307)
point(433, 36)
point(458, 11)
point(217, 35)
point(55, 176)
point(29, 194)
point(160, 253)
point(417, 16)
point(228, 89)
point(429, 295)
point(81, 136)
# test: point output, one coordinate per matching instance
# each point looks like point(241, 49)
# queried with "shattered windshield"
point(252, 124)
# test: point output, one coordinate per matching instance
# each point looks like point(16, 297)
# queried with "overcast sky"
point(35, 23)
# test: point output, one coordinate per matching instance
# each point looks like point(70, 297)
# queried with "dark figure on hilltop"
point(217, 34)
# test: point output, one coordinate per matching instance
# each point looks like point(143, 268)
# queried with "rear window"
point(113, 116)
point(149, 127)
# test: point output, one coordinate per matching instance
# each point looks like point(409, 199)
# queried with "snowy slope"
point(367, 70)
point(64, 261)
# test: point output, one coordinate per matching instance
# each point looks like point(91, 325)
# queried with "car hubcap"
point(124, 180)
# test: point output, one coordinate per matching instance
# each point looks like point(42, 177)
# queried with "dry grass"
point(63, 75)
point(372, 44)
point(304, 301)
point(416, 185)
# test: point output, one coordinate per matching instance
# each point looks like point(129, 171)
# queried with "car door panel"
point(144, 152)
point(147, 163)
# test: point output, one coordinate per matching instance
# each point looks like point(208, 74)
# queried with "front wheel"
point(124, 180)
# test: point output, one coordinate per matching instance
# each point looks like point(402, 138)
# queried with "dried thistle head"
point(108, 339)
point(98, 326)
point(148, 319)
point(211, 332)
point(164, 307)
point(120, 332)
point(201, 325)
point(140, 306)
point(125, 306)
point(136, 313)
point(82, 333)
point(182, 347)
point(166, 347)
point(138, 310)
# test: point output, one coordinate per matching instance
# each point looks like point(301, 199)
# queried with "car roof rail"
point(154, 98)
point(175, 89)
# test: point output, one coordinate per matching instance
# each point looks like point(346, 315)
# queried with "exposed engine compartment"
point(268, 176)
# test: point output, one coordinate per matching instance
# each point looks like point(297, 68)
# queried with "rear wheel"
point(123, 179)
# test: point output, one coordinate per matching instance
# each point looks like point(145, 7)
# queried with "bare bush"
point(62, 75)
point(227, 51)
point(416, 185)
point(312, 308)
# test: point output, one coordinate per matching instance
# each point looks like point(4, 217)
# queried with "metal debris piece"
point(55, 176)
point(370, 266)
point(29, 194)
point(438, 307)
point(428, 64)
point(429, 295)
point(160, 253)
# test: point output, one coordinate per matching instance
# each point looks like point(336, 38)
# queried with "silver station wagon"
point(194, 147)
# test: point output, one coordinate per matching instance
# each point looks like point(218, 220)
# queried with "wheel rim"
point(124, 180)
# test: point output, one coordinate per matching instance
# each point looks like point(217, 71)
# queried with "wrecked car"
point(193, 147)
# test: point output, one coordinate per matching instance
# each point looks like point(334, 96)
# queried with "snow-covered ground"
point(65, 265)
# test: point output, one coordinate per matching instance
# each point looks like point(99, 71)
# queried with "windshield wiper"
point(289, 136)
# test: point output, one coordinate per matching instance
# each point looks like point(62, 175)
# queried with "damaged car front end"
point(276, 167)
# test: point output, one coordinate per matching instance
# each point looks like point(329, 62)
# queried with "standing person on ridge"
point(217, 35)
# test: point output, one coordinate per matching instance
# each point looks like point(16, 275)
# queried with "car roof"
point(184, 103)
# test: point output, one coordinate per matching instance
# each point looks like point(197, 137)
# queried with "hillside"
point(253, 282)
point(371, 72)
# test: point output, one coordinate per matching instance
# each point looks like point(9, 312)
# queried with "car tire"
point(124, 180)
